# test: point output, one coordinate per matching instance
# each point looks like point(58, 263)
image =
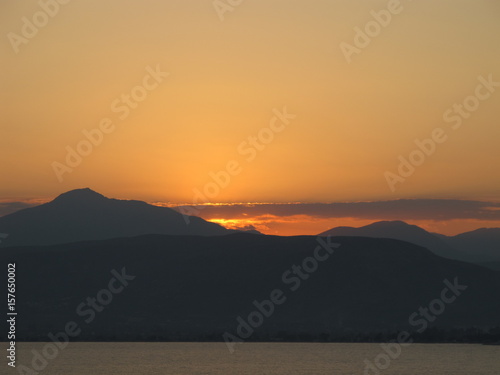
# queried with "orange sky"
point(203, 87)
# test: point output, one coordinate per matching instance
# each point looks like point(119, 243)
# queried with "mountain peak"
point(388, 228)
point(399, 223)
point(79, 195)
point(85, 215)
point(394, 224)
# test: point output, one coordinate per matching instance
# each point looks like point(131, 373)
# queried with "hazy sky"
point(226, 81)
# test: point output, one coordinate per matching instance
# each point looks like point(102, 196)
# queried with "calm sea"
point(259, 358)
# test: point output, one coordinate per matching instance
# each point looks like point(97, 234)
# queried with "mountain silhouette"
point(399, 230)
point(83, 214)
point(195, 287)
point(479, 246)
point(483, 244)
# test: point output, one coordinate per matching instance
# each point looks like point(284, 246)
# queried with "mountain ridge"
point(481, 245)
point(83, 214)
point(194, 287)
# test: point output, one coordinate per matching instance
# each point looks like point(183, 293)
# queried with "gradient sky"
point(353, 120)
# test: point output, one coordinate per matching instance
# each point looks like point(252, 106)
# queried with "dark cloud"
point(405, 209)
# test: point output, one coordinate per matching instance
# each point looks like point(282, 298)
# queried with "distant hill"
point(195, 287)
point(84, 214)
point(400, 230)
point(482, 245)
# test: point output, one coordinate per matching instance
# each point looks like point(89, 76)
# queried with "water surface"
point(262, 358)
